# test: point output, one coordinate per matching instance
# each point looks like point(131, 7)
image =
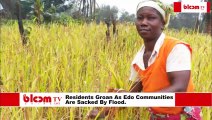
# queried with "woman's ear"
point(163, 25)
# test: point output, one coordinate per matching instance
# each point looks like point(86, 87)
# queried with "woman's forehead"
point(147, 10)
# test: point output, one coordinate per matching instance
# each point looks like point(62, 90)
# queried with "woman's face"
point(149, 23)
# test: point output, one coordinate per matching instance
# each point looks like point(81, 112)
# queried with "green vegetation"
point(78, 58)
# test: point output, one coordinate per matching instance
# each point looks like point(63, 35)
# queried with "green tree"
point(38, 8)
point(186, 20)
point(13, 7)
point(207, 20)
point(126, 17)
point(9, 7)
point(107, 13)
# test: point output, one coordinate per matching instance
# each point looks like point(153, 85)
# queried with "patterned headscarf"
point(163, 9)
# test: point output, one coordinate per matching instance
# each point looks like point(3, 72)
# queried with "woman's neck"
point(150, 44)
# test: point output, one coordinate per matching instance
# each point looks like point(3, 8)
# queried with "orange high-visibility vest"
point(155, 78)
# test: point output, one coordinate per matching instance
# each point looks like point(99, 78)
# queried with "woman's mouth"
point(144, 30)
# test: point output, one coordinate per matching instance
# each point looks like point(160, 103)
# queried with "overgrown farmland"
point(78, 58)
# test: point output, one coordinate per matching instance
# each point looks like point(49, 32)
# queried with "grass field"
point(78, 58)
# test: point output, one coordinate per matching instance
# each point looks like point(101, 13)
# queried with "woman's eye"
point(151, 18)
point(139, 18)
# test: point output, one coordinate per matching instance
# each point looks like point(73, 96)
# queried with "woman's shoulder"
point(172, 40)
point(169, 38)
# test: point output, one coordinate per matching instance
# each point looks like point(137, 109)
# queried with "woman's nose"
point(143, 22)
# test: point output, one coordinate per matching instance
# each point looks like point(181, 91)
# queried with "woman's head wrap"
point(164, 10)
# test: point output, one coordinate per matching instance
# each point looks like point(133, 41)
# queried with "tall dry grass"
point(77, 58)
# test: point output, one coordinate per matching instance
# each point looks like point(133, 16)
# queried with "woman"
point(163, 64)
